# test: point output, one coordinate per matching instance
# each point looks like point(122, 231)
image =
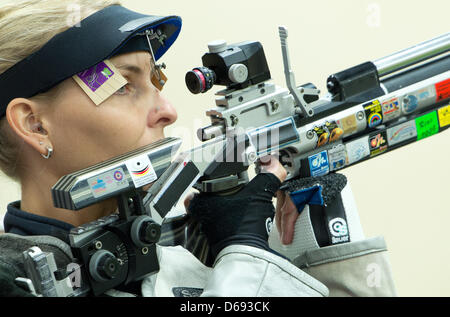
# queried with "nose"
point(162, 113)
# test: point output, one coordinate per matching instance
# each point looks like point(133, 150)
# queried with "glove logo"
point(269, 224)
point(338, 228)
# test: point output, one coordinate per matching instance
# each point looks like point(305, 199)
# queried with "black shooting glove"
point(242, 218)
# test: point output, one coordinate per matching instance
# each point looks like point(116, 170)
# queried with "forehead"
point(142, 59)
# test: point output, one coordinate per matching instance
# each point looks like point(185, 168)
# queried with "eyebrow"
point(132, 68)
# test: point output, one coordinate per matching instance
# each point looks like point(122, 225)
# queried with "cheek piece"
point(82, 50)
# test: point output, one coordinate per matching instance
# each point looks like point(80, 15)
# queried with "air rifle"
point(370, 109)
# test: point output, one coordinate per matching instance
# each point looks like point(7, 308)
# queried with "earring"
point(49, 153)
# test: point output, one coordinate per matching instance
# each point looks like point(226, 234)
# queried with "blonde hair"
point(25, 26)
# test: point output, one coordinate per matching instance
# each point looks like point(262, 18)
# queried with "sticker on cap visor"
point(141, 170)
point(100, 81)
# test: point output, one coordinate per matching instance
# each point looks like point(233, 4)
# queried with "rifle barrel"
point(413, 55)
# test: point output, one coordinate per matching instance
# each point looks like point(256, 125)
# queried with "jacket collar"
point(24, 223)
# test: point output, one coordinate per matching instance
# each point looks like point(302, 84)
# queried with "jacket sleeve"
point(356, 268)
point(8, 287)
point(359, 268)
point(244, 271)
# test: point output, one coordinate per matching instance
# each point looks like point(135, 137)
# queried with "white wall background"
point(402, 195)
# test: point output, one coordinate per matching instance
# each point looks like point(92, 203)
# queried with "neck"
point(37, 199)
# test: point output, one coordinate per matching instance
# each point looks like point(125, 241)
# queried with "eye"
point(123, 90)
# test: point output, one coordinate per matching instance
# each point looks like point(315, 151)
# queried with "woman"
point(63, 129)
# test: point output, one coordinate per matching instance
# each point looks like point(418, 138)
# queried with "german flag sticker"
point(141, 170)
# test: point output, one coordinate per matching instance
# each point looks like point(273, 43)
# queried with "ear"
point(24, 117)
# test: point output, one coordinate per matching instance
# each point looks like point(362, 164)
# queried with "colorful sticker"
point(391, 109)
point(348, 124)
point(96, 76)
point(100, 81)
point(107, 183)
point(358, 149)
point(374, 113)
point(444, 116)
point(378, 143)
point(141, 170)
point(427, 125)
point(322, 135)
point(401, 132)
point(443, 90)
point(418, 99)
point(337, 157)
point(336, 131)
point(328, 133)
point(318, 164)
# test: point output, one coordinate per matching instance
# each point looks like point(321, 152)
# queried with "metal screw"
point(234, 120)
point(360, 115)
point(251, 156)
point(98, 245)
point(274, 105)
point(310, 134)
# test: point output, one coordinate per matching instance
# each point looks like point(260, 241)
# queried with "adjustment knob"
point(145, 231)
point(150, 232)
point(238, 73)
point(217, 46)
point(103, 266)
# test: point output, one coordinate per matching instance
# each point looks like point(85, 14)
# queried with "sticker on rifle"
point(378, 143)
point(444, 116)
point(318, 164)
point(141, 170)
point(418, 99)
point(337, 156)
point(348, 124)
point(401, 132)
point(358, 149)
point(391, 109)
point(443, 90)
point(328, 133)
point(107, 183)
point(100, 81)
point(427, 125)
point(374, 113)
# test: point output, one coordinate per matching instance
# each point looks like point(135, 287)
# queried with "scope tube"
point(413, 55)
